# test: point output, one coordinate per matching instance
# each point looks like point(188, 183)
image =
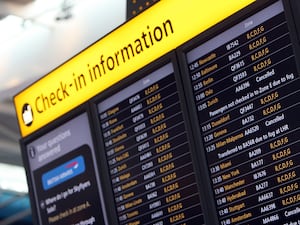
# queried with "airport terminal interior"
point(149, 112)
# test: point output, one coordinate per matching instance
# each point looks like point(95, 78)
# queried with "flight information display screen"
point(148, 152)
point(65, 179)
point(245, 86)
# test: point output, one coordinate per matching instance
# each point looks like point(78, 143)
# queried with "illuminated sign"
point(206, 134)
point(64, 177)
point(148, 152)
point(143, 39)
point(245, 86)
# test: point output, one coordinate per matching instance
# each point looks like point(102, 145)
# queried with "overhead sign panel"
point(111, 59)
point(245, 85)
point(63, 175)
point(148, 152)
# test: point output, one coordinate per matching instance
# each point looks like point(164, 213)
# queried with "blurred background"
point(37, 36)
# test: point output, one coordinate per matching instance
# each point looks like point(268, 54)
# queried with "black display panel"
point(148, 152)
point(245, 88)
point(135, 7)
point(64, 179)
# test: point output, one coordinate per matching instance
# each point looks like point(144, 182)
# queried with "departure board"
point(148, 152)
point(245, 86)
point(65, 179)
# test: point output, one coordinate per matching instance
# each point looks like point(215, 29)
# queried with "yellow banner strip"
point(135, 44)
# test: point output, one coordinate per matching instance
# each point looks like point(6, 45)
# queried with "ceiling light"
point(9, 21)
point(13, 178)
point(11, 26)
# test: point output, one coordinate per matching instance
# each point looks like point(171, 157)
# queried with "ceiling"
point(36, 36)
point(42, 36)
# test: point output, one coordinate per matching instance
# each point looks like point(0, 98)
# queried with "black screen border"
point(80, 110)
point(293, 20)
point(138, 75)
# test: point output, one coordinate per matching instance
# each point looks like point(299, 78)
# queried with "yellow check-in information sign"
point(133, 45)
